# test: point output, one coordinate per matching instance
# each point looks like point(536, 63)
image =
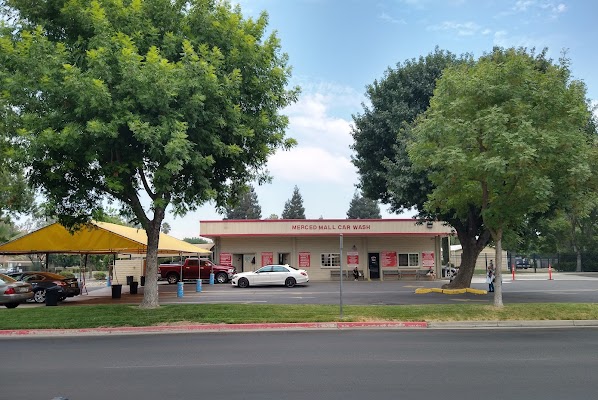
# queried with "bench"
point(390, 273)
point(407, 272)
point(347, 275)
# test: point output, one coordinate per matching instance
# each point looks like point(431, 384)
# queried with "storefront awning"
point(96, 238)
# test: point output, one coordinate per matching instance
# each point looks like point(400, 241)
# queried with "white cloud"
point(312, 165)
point(502, 39)
point(462, 29)
point(386, 17)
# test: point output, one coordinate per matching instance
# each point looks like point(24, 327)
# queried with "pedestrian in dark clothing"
point(356, 273)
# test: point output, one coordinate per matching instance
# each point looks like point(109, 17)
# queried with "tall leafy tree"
point(505, 135)
point(248, 207)
point(152, 103)
point(363, 208)
point(293, 208)
point(381, 135)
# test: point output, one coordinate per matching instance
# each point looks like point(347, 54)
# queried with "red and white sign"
point(388, 258)
point(352, 258)
point(267, 258)
point(304, 259)
point(427, 258)
point(226, 259)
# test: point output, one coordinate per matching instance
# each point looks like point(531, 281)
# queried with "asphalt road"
point(355, 364)
point(574, 289)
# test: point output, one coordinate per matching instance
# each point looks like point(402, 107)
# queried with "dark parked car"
point(67, 287)
point(13, 292)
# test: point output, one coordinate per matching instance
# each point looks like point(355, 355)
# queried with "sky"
point(338, 47)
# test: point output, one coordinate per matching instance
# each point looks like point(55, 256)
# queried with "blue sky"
point(338, 47)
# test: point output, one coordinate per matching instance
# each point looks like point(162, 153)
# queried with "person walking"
point(490, 281)
point(356, 273)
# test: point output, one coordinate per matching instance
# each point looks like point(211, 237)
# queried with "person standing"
point(490, 280)
point(491, 267)
point(356, 273)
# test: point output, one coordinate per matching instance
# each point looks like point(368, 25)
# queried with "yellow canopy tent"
point(96, 238)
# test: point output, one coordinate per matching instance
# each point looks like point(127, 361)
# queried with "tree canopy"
point(149, 103)
point(363, 208)
point(248, 207)
point(293, 208)
point(381, 135)
point(505, 135)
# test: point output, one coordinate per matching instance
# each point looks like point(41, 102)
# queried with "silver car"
point(13, 292)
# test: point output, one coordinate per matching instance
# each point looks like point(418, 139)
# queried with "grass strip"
point(94, 316)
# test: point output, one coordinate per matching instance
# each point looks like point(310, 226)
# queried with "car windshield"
point(6, 279)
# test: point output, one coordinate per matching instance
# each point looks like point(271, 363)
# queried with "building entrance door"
point(374, 265)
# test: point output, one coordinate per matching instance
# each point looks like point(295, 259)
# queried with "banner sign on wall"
point(267, 258)
point(427, 258)
point(352, 258)
point(304, 259)
point(388, 258)
point(226, 259)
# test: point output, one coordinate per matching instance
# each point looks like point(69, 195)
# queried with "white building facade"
point(382, 249)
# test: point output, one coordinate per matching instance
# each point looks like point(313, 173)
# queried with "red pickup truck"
point(193, 268)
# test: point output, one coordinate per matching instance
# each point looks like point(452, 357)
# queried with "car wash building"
point(382, 249)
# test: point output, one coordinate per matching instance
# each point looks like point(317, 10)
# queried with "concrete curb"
point(133, 330)
point(513, 324)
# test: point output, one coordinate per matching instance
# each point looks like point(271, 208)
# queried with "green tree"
point(248, 207)
point(363, 208)
point(293, 208)
point(152, 103)
point(196, 240)
point(505, 135)
point(381, 135)
point(166, 227)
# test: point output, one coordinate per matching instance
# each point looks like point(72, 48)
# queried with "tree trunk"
point(498, 271)
point(473, 240)
point(578, 267)
point(150, 290)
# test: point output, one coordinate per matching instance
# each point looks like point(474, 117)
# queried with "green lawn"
point(129, 315)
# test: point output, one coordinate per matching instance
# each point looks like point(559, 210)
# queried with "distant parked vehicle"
point(193, 268)
point(271, 275)
point(67, 287)
point(13, 292)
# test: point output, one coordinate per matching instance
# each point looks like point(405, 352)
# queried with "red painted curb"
point(213, 327)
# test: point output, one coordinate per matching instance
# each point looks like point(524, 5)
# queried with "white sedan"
point(271, 275)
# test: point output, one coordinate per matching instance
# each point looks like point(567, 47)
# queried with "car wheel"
point(11, 305)
point(221, 277)
point(243, 283)
point(172, 278)
point(39, 296)
point(290, 282)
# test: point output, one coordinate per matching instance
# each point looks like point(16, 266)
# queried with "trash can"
point(129, 279)
point(116, 291)
point(143, 281)
point(133, 287)
point(52, 295)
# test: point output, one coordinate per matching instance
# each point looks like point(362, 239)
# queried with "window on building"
point(331, 260)
point(408, 260)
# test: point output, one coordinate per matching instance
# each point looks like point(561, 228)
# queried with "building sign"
point(427, 258)
point(332, 227)
point(226, 259)
point(352, 258)
point(388, 258)
point(304, 259)
point(267, 258)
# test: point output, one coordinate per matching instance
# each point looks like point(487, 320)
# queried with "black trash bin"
point(116, 291)
point(143, 281)
point(133, 287)
point(129, 279)
point(52, 295)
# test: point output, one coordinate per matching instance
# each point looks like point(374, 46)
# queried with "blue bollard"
point(198, 286)
point(179, 289)
point(108, 284)
point(211, 278)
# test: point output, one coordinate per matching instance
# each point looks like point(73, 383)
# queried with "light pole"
point(341, 275)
